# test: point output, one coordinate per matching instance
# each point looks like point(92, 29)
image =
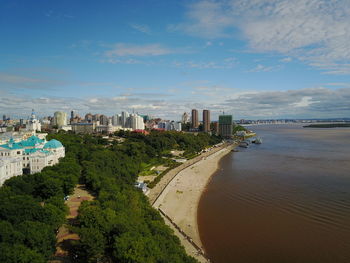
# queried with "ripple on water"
point(286, 201)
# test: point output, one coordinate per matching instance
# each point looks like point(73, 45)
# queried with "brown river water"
point(286, 200)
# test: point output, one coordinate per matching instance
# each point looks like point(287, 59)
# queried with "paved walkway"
point(64, 236)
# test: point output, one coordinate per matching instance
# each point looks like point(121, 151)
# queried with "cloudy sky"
point(254, 59)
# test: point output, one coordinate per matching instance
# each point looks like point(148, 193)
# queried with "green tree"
point(16, 253)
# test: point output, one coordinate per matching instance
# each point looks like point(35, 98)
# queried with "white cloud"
point(286, 60)
point(129, 61)
point(263, 68)
point(122, 50)
point(226, 63)
point(208, 19)
point(11, 81)
point(303, 103)
point(314, 31)
point(141, 28)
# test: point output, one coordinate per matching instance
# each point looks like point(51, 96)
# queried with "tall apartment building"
point(60, 118)
point(117, 120)
point(136, 122)
point(225, 126)
point(206, 120)
point(194, 119)
point(103, 120)
point(124, 119)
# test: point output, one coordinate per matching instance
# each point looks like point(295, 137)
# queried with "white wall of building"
point(14, 157)
point(10, 167)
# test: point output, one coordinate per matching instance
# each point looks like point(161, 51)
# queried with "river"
point(286, 200)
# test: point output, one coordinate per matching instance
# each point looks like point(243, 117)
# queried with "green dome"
point(53, 144)
point(31, 142)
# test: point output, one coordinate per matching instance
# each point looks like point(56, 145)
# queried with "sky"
point(256, 59)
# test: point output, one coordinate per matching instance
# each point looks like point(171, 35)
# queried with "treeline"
point(119, 226)
point(238, 127)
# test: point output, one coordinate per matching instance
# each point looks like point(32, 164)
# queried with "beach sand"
point(179, 200)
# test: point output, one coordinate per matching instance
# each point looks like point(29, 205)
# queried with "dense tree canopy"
point(118, 226)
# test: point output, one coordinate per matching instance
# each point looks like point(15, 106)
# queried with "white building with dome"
point(29, 156)
point(33, 124)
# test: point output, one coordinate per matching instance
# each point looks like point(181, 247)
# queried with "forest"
point(118, 226)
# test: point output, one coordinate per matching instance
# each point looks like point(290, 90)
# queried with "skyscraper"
point(72, 115)
point(194, 116)
point(136, 122)
point(225, 126)
point(117, 120)
point(60, 118)
point(124, 118)
point(206, 120)
point(103, 120)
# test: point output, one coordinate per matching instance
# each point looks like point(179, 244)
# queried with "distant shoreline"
point(328, 125)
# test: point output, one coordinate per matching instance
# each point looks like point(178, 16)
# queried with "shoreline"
point(179, 197)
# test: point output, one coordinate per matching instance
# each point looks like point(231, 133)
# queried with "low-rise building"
point(30, 156)
point(85, 128)
point(170, 125)
point(9, 167)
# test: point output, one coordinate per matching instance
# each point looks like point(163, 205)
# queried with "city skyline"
point(262, 59)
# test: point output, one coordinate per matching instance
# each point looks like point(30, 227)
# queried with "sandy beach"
point(179, 200)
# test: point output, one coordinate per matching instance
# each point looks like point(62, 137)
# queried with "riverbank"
point(180, 193)
point(328, 125)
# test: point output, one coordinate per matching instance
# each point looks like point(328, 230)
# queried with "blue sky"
point(253, 59)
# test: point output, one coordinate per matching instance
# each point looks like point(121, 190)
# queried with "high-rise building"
point(185, 118)
point(88, 117)
point(136, 122)
point(72, 116)
point(194, 116)
point(225, 126)
point(116, 120)
point(103, 120)
point(60, 118)
point(206, 120)
point(124, 119)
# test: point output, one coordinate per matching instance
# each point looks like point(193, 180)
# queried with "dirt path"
point(64, 236)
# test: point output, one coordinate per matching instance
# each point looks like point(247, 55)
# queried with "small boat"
point(258, 140)
point(244, 144)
